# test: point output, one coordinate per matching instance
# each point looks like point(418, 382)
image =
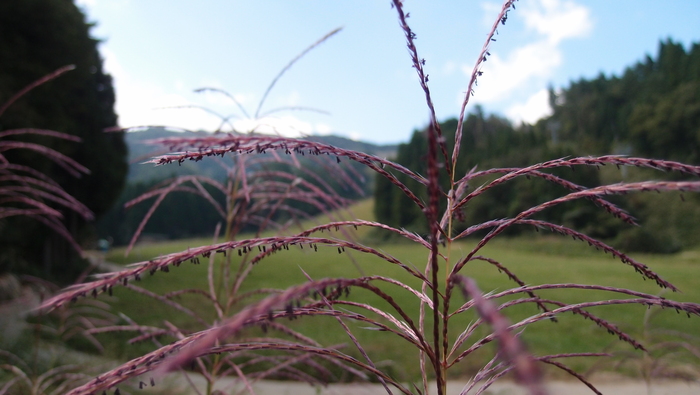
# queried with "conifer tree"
point(36, 38)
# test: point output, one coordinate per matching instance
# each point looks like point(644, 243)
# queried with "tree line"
point(652, 110)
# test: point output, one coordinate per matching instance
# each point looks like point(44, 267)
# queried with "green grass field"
point(536, 260)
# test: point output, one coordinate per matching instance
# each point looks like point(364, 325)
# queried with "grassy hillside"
point(537, 260)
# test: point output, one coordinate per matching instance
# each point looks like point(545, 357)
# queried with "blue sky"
point(160, 51)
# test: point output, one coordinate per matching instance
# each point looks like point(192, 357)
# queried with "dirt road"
point(607, 385)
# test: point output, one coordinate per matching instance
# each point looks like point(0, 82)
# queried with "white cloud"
point(557, 19)
point(85, 3)
point(110, 63)
point(287, 126)
point(141, 103)
point(293, 99)
point(525, 70)
point(222, 100)
point(535, 108)
point(241, 98)
point(322, 128)
point(502, 76)
point(354, 135)
point(111, 5)
point(148, 105)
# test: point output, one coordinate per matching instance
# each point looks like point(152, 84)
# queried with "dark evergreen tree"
point(36, 38)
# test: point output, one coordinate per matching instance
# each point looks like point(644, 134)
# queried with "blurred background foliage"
point(36, 38)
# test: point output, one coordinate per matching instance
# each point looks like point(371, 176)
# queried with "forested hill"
point(651, 110)
point(140, 152)
point(119, 224)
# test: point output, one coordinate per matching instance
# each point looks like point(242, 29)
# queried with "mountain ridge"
point(139, 152)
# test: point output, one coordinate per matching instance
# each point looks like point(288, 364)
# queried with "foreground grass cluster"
point(252, 307)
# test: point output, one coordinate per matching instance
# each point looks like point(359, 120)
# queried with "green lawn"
point(536, 260)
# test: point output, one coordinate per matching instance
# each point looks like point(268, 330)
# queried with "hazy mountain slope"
point(139, 152)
